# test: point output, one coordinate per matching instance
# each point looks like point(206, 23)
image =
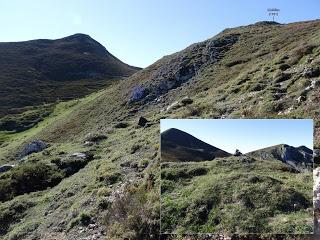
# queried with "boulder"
point(5, 168)
point(142, 121)
point(33, 147)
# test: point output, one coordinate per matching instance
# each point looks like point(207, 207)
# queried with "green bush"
point(108, 174)
point(134, 216)
point(28, 177)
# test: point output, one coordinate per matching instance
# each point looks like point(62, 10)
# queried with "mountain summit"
point(177, 145)
point(41, 71)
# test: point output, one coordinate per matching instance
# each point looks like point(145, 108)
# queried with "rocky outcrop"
point(300, 158)
point(33, 147)
point(183, 66)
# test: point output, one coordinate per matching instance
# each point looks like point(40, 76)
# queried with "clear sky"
point(246, 135)
point(139, 32)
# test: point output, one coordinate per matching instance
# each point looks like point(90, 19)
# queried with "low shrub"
point(28, 177)
point(134, 216)
point(12, 213)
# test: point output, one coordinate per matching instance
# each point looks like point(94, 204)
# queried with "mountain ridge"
point(299, 158)
point(177, 145)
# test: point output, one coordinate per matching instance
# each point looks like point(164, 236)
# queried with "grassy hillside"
point(258, 71)
point(235, 195)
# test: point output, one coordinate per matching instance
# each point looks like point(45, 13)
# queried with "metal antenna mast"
point(273, 12)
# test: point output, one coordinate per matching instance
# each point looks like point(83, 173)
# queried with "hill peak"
point(174, 131)
point(266, 23)
point(177, 145)
point(49, 63)
point(79, 37)
point(299, 158)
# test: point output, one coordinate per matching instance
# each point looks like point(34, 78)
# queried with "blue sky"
point(139, 32)
point(246, 135)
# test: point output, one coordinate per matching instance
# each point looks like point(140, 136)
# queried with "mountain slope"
point(300, 158)
point(177, 145)
point(261, 71)
point(43, 71)
point(211, 197)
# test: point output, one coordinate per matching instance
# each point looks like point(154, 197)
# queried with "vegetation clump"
point(27, 178)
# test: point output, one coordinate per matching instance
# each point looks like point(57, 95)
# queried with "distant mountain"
point(177, 145)
point(300, 158)
point(42, 71)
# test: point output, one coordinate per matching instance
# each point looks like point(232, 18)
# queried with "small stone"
point(296, 206)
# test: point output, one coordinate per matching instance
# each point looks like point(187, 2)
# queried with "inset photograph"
point(238, 176)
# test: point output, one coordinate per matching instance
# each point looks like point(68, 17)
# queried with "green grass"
point(12, 141)
point(235, 196)
point(27, 119)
